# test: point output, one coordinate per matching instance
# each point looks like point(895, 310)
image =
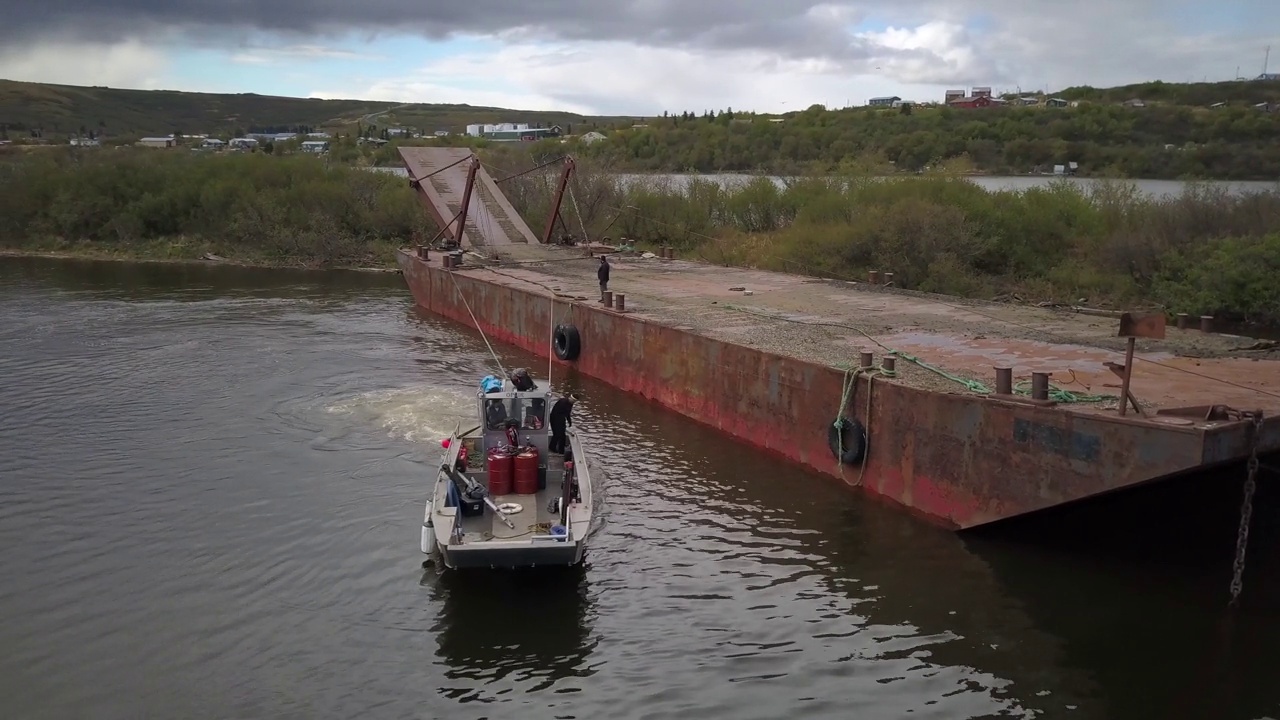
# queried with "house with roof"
point(977, 101)
point(884, 101)
point(157, 142)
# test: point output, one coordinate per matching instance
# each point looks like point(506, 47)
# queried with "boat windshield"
point(528, 412)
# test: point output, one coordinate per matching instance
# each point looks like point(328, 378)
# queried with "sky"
point(632, 57)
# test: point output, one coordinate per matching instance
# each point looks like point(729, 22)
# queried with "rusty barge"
point(964, 412)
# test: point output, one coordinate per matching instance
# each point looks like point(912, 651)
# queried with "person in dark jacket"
point(560, 417)
point(603, 274)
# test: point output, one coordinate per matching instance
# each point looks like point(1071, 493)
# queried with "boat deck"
point(829, 322)
point(534, 517)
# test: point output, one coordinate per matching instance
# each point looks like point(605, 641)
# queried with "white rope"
point(477, 324)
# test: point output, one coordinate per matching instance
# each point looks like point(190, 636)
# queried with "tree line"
point(1104, 140)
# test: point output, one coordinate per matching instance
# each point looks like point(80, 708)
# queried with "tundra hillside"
point(1224, 130)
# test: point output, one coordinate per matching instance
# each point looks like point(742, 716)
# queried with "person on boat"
point(560, 418)
point(523, 383)
point(603, 274)
point(495, 414)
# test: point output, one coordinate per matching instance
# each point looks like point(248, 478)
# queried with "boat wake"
point(416, 413)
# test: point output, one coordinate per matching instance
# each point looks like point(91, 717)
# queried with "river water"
point(210, 498)
point(1160, 189)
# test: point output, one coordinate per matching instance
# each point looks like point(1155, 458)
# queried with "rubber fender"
point(566, 342)
point(850, 434)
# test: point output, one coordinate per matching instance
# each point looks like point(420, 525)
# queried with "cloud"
point(264, 55)
point(129, 63)
point(618, 78)
point(635, 56)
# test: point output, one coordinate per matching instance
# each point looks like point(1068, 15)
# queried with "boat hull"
point(551, 554)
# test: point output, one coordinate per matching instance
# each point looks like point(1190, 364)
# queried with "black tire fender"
point(849, 434)
point(566, 342)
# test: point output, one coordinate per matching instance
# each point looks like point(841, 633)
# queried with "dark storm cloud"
point(788, 26)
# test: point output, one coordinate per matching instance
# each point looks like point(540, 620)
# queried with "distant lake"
point(1157, 188)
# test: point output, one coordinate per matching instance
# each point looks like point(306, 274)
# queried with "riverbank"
point(1207, 251)
point(292, 211)
point(139, 255)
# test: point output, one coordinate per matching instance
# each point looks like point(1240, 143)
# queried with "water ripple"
point(210, 496)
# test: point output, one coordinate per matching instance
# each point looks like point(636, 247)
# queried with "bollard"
point(873, 277)
point(423, 253)
point(1183, 321)
point(1206, 323)
point(620, 302)
point(1004, 381)
point(448, 261)
point(866, 359)
point(1039, 386)
point(888, 278)
point(606, 297)
point(889, 364)
point(671, 253)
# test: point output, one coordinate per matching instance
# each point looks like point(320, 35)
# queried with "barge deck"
point(776, 367)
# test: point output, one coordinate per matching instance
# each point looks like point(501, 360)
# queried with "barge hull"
point(959, 460)
point(764, 366)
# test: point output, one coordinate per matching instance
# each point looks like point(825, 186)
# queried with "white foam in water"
point(418, 413)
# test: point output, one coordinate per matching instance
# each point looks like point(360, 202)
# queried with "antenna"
point(1266, 60)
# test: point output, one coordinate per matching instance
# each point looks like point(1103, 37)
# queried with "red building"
point(979, 101)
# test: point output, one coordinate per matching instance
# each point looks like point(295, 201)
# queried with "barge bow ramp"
point(777, 367)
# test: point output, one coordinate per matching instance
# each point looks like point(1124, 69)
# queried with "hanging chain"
point(1246, 507)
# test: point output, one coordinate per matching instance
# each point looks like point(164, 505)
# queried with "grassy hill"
point(1240, 92)
point(62, 110)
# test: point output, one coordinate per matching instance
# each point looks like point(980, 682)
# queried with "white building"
point(315, 146)
point(156, 142)
point(477, 130)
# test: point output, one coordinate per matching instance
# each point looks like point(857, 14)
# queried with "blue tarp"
point(490, 383)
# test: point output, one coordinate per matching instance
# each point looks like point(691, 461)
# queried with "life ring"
point(566, 342)
point(510, 508)
point(849, 434)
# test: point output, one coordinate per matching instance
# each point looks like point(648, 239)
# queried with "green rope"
point(847, 389)
point(1056, 393)
point(970, 385)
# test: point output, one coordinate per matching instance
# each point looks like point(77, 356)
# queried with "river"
point(1153, 188)
point(211, 483)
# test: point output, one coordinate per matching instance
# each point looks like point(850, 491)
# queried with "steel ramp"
point(440, 174)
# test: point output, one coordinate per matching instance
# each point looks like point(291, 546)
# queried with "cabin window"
point(495, 414)
point(534, 413)
point(528, 413)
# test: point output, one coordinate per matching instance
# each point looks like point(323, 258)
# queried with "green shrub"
point(295, 209)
